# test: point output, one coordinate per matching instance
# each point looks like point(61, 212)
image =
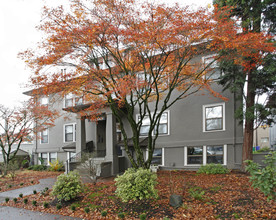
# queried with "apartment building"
point(199, 129)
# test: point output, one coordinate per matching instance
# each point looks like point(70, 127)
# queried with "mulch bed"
point(222, 196)
point(24, 178)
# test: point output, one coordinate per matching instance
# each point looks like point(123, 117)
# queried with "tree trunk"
point(247, 150)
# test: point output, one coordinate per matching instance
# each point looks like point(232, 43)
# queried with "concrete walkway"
point(11, 213)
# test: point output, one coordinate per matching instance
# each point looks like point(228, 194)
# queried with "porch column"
point(80, 135)
point(111, 153)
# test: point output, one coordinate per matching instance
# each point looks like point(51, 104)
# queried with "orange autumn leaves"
point(163, 43)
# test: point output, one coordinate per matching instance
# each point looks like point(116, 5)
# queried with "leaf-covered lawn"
point(24, 178)
point(222, 196)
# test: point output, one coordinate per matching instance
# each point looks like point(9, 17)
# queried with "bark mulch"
point(221, 196)
point(24, 178)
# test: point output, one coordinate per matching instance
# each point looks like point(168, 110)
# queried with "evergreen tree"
point(255, 16)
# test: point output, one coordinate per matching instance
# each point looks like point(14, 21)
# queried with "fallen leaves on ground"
point(221, 196)
point(24, 178)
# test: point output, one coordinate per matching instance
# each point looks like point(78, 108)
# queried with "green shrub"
point(20, 195)
point(15, 200)
point(25, 201)
point(34, 191)
point(264, 178)
point(73, 207)
point(68, 186)
point(40, 167)
point(21, 184)
point(56, 166)
point(58, 206)
point(104, 213)
point(7, 199)
point(143, 216)
point(121, 215)
point(213, 169)
point(264, 149)
point(86, 209)
point(10, 186)
point(136, 184)
point(45, 205)
point(34, 203)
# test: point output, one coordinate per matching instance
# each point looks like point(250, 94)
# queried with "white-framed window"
point(44, 136)
point(163, 128)
point(70, 132)
point(44, 158)
point(157, 156)
point(195, 155)
point(70, 155)
point(44, 100)
point(202, 155)
point(72, 100)
point(52, 157)
point(215, 154)
point(264, 139)
point(214, 72)
point(214, 117)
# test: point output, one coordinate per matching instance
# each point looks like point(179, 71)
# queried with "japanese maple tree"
point(19, 125)
point(134, 57)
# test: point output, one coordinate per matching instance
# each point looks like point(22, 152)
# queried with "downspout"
point(234, 130)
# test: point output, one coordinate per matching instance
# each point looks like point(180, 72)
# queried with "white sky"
point(18, 19)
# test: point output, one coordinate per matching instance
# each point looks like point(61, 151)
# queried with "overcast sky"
point(18, 19)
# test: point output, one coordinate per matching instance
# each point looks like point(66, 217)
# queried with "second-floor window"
point(44, 101)
point(214, 117)
point(45, 136)
point(163, 128)
point(70, 133)
point(71, 100)
point(214, 72)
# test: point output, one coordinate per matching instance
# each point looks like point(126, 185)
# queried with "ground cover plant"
point(219, 196)
point(24, 178)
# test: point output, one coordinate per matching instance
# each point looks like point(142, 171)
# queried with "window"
point(214, 117)
point(163, 124)
point(157, 157)
point(52, 157)
point(45, 136)
point(44, 101)
point(264, 139)
point(202, 155)
point(145, 126)
point(118, 132)
point(214, 72)
point(70, 133)
point(194, 155)
point(71, 156)
point(215, 154)
point(44, 158)
point(70, 100)
point(163, 128)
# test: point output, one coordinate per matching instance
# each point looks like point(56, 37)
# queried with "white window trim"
point(223, 116)
point(159, 135)
point(162, 158)
point(73, 100)
point(48, 158)
point(74, 132)
point(204, 162)
point(208, 57)
point(48, 137)
point(44, 97)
